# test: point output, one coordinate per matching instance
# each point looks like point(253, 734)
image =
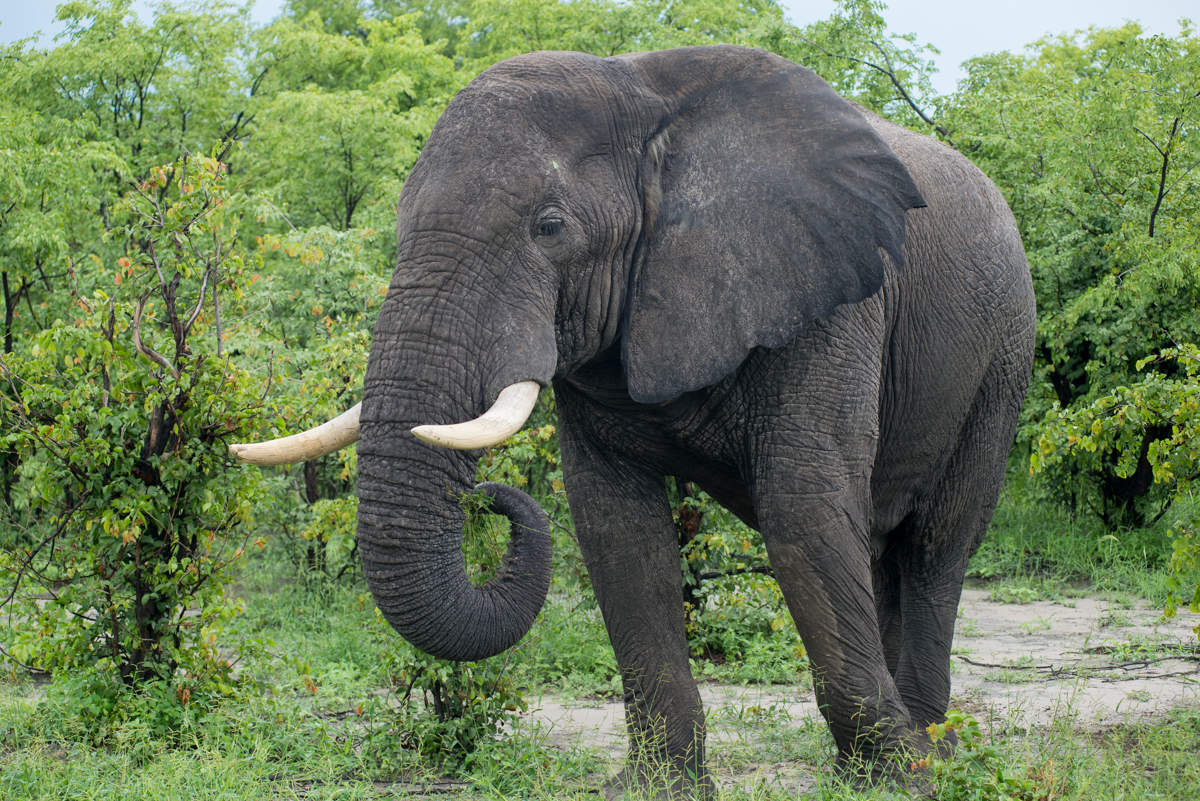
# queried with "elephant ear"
point(768, 202)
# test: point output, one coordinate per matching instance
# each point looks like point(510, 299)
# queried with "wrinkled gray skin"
point(734, 277)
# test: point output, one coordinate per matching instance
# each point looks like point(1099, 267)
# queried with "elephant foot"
point(900, 766)
point(660, 782)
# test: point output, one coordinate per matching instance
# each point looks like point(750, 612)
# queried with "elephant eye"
point(550, 228)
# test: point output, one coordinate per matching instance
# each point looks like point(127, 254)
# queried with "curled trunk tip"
point(432, 604)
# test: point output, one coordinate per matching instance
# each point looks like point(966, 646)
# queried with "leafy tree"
point(440, 21)
point(336, 154)
point(500, 28)
point(114, 98)
point(336, 17)
point(122, 411)
point(151, 90)
point(44, 199)
point(855, 52)
point(1091, 138)
point(347, 116)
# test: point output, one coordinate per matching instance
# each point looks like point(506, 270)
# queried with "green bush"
point(135, 514)
point(449, 710)
point(1114, 426)
point(979, 770)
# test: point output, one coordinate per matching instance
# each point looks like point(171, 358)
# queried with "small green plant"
point(1037, 624)
point(1010, 676)
point(1006, 593)
point(1143, 646)
point(451, 709)
point(978, 770)
point(1115, 619)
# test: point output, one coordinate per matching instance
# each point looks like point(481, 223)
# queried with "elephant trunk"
point(410, 538)
point(410, 513)
point(444, 353)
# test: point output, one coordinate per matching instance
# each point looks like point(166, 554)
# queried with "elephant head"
point(684, 206)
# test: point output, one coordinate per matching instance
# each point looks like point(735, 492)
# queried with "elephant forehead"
point(533, 105)
point(562, 93)
point(497, 185)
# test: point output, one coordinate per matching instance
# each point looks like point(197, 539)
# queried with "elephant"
point(732, 276)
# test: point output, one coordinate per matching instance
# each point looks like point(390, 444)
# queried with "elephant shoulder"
point(929, 160)
point(957, 192)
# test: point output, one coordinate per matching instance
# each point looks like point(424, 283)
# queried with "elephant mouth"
point(505, 418)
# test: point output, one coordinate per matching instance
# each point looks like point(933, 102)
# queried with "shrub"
point(978, 770)
point(451, 709)
point(136, 515)
point(1113, 428)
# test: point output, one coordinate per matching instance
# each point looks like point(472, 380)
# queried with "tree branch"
point(891, 76)
point(187, 327)
point(1162, 180)
point(150, 354)
point(28, 561)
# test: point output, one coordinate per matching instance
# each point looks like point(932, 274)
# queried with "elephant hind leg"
point(885, 575)
point(934, 543)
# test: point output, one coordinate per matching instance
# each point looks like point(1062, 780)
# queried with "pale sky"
point(963, 30)
point(959, 29)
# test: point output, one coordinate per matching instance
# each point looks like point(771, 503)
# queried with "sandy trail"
point(1026, 664)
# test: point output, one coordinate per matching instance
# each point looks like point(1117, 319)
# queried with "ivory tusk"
point(497, 424)
point(316, 442)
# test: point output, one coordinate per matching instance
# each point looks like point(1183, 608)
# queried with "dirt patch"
point(1098, 663)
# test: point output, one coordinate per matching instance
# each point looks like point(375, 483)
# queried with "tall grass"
point(1044, 544)
point(315, 715)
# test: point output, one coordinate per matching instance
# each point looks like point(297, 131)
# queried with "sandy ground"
point(1095, 661)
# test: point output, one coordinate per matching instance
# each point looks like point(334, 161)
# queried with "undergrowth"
point(1043, 551)
point(318, 711)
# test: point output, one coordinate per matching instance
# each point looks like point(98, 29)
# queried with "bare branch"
point(150, 354)
point(187, 327)
point(217, 315)
point(154, 260)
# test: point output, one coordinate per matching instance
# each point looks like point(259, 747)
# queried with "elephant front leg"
point(825, 574)
point(627, 535)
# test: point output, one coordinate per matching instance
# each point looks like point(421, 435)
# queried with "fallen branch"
point(1114, 679)
point(1068, 671)
point(1005, 667)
